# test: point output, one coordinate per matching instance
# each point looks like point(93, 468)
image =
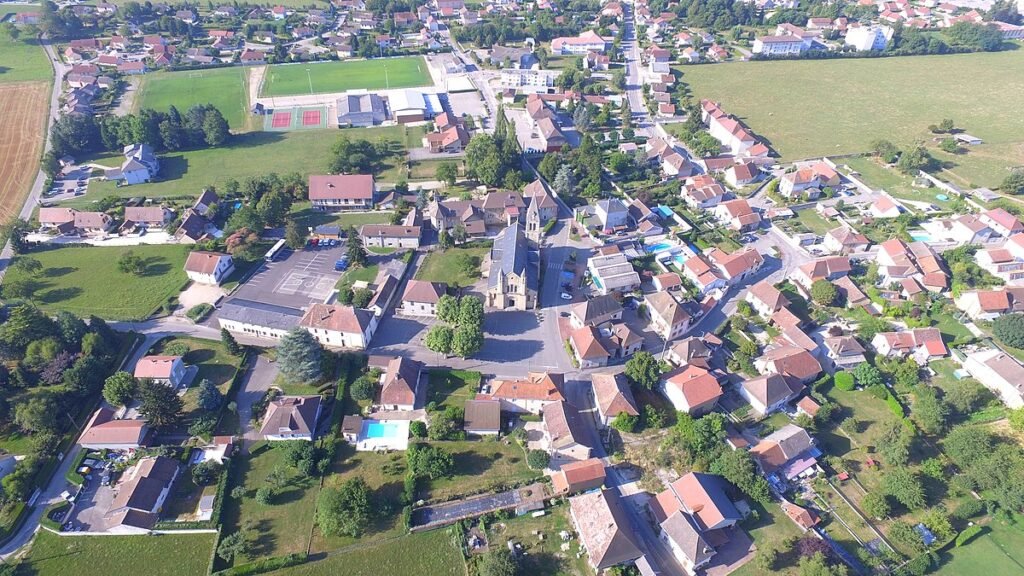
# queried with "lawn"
point(329, 77)
point(86, 281)
point(898, 185)
point(452, 387)
point(170, 555)
point(306, 217)
point(23, 60)
point(770, 529)
point(214, 362)
point(225, 88)
point(433, 553)
point(810, 218)
point(544, 557)
point(480, 466)
point(283, 526)
point(999, 550)
point(833, 106)
point(455, 266)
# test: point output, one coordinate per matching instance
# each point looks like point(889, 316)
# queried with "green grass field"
point(225, 88)
point(163, 555)
point(999, 550)
point(23, 61)
point(820, 107)
point(293, 79)
point(455, 266)
point(480, 465)
point(86, 281)
point(432, 553)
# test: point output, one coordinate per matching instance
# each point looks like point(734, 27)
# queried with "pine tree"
point(298, 355)
point(229, 342)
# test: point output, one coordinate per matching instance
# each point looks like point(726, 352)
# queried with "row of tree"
point(461, 329)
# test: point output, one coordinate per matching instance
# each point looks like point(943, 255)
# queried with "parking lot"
point(91, 506)
point(296, 279)
point(74, 183)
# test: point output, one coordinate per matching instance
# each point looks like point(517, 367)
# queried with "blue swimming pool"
point(659, 247)
point(921, 236)
point(381, 430)
point(665, 211)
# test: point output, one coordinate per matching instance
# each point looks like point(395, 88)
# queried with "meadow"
point(432, 553)
point(813, 108)
point(329, 77)
point(163, 555)
point(86, 280)
point(23, 61)
point(225, 88)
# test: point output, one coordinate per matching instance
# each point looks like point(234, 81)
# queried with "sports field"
point(23, 109)
point(329, 77)
point(817, 107)
point(225, 88)
point(305, 118)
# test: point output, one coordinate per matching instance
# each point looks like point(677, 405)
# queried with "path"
point(255, 383)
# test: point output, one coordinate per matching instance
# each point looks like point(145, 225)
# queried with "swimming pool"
point(382, 430)
point(665, 211)
point(659, 247)
point(921, 236)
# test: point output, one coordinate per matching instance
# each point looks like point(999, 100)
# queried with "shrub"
point(417, 429)
point(968, 533)
point(969, 509)
point(844, 381)
point(265, 495)
point(199, 312)
point(1009, 329)
point(537, 459)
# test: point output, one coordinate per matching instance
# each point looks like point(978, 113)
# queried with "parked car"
point(566, 296)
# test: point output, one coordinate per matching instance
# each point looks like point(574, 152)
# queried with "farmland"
point(177, 555)
point(291, 80)
point(839, 109)
point(23, 109)
point(86, 281)
point(23, 61)
point(225, 88)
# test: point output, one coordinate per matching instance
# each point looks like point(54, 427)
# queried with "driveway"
point(91, 506)
point(255, 383)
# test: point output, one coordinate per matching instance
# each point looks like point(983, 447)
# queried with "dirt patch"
point(23, 109)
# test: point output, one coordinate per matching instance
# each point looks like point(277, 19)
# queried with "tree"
point(119, 388)
point(467, 341)
point(904, 485)
point(643, 369)
point(344, 510)
point(243, 244)
point(914, 160)
point(844, 381)
point(964, 395)
point(1016, 418)
point(439, 339)
point(210, 397)
point(447, 424)
point(37, 414)
point(365, 387)
point(1009, 329)
point(265, 495)
point(967, 444)
point(471, 312)
point(131, 263)
point(949, 146)
point(229, 342)
point(298, 355)
point(206, 472)
point(625, 422)
point(867, 375)
point(894, 442)
point(448, 309)
point(361, 297)
point(161, 404)
point(293, 237)
point(1014, 183)
point(818, 565)
point(356, 252)
point(498, 561)
point(444, 240)
point(823, 292)
point(215, 128)
point(24, 325)
point(564, 183)
point(483, 160)
point(737, 466)
point(447, 172)
point(71, 328)
point(537, 459)
point(417, 429)
point(929, 411)
point(27, 265)
point(234, 545)
point(427, 461)
point(875, 505)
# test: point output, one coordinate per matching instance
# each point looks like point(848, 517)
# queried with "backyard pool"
point(664, 211)
point(382, 430)
point(383, 434)
point(659, 247)
point(921, 236)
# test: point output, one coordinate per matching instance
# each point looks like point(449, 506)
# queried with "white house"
point(390, 236)
point(291, 418)
point(208, 267)
point(340, 326)
point(864, 38)
point(169, 370)
point(586, 42)
point(779, 45)
point(1000, 373)
point(668, 317)
point(530, 394)
point(421, 298)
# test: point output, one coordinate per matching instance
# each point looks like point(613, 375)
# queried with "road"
point(478, 76)
point(59, 69)
point(634, 82)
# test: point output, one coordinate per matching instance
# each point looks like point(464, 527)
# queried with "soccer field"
point(225, 88)
point(817, 107)
point(329, 77)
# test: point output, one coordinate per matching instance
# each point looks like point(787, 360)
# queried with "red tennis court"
point(281, 120)
point(311, 117)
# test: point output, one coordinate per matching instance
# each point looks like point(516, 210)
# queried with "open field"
point(837, 106)
point(898, 185)
point(306, 217)
point(225, 88)
point(998, 550)
point(163, 555)
point(455, 266)
point(769, 530)
point(294, 79)
point(23, 110)
point(23, 61)
point(480, 465)
point(432, 553)
point(86, 281)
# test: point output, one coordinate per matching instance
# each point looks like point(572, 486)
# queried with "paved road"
point(255, 384)
point(479, 77)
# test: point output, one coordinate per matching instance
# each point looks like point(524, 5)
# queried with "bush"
point(417, 429)
point(199, 312)
point(265, 495)
point(968, 533)
point(265, 565)
point(625, 422)
point(537, 459)
point(844, 381)
point(1009, 329)
point(969, 509)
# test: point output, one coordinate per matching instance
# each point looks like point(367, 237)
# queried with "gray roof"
point(511, 254)
point(682, 529)
point(260, 314)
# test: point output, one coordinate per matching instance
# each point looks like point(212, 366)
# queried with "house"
point(779, 45)
point(737, 266)
point(864, 38)
point(692, 350)
point(360, 110)
point(503, 208)
point(666, 281)
point(291, 418)
point(342, 192)
point(530, 394)
point(702, 496)
point(737, 215)
point(1000, 373)
point(482, 417)
point(250, 56)
point(453, 138)
point(668, 318)
point(168, 370)
point(538, 195)
point(685, 540)
point(1001, 262)
point(703, 192)
point(924, 344)
point(105, 431)
point(420, 297)
point(206, 200)
point(400, 384)
point(742, 174)
point(788, 360)
point(147, 216)
point(339, 326)
point(829, 268)
point(351, 428)
point(850, 293)
point(612, 273)
point(258, 319)
point(884, 207)
point(513, 277)
point(594, 347)
point(604, 527)
point(192, 229)
point(140, 495)
point(588, 41)
point(140, 165)
point(703, 275)
point(845, 240)
point(990, 304)
point(208, 267)
point(390, 236)
point(1001, 222)
point(770, 392)
point(691, 389)
point(565, 433)
point(384, 291)
point(845, 352)
point(580, 476)
point(766, 299)
point(595, 311)
point(789, 451)
point(808, 180)
point(612, 214)
point(966, 229)
point(612, 396)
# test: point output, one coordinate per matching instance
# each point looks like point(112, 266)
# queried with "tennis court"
point(283, 119)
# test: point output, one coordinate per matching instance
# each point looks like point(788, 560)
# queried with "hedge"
point(72, 475)
point(49, 522)
point(966, 536)
point(265, 565)
point(895, 406)
point(13, 519)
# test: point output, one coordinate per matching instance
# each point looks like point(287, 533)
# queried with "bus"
point(273, 252)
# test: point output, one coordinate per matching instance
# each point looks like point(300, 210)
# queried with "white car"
point(566, 296)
